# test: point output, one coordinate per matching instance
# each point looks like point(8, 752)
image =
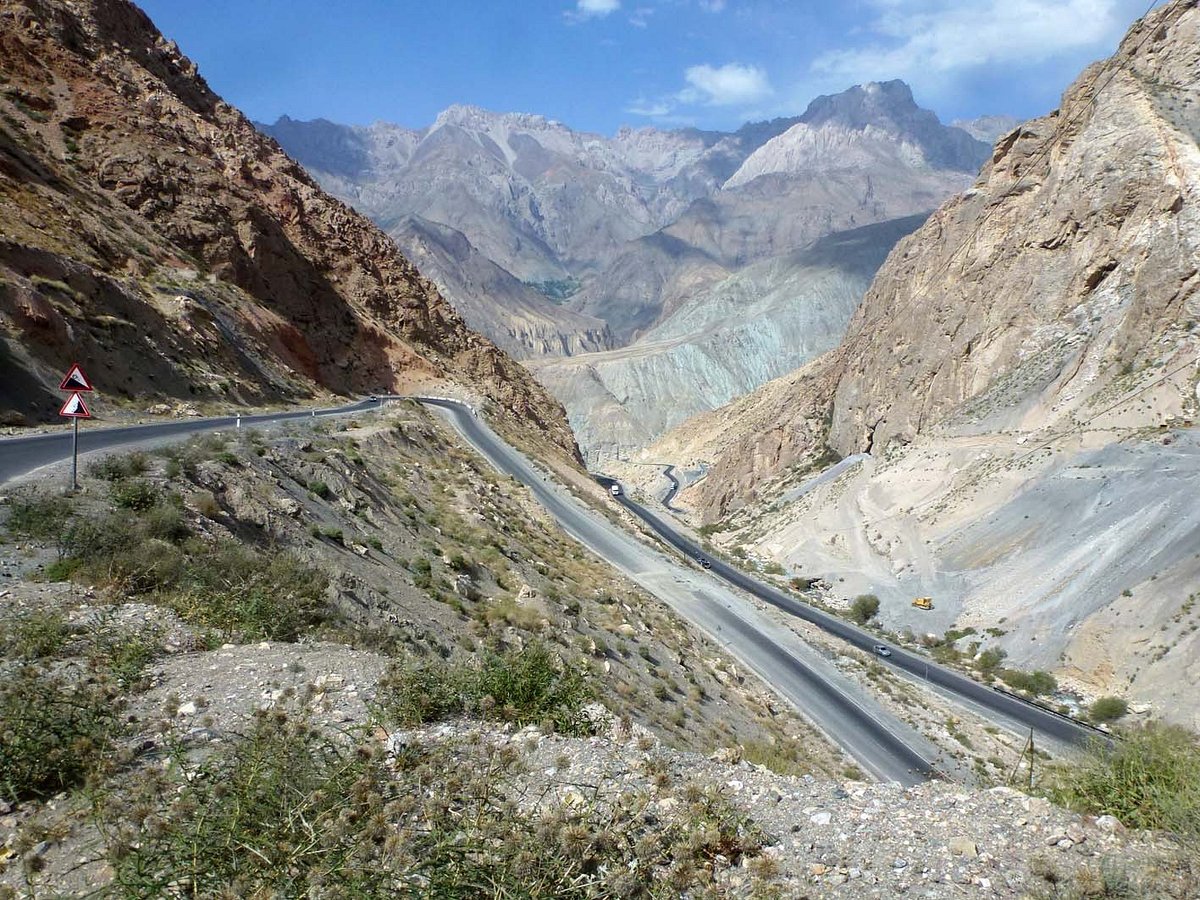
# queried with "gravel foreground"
point(820, 838)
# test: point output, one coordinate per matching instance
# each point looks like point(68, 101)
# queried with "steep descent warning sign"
point(75, 380)
point(75, 408)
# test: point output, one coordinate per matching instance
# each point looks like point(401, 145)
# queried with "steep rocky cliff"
point(1071, 264)
point(1015, 400)
point(148, 230)
point(1064, 279)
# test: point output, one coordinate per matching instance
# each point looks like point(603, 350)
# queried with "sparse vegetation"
point(525, 686)
point(1149, 779)
point(290, 812)
point(54, 730)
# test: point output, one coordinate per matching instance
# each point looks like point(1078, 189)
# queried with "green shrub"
point(525, 686)
point(864, 608)
point(166, 522)
point(39, 516)
point(320, 489)
point(332, 533)
point(773, 568)
point(250, 596)
point(1150, 779)
point(990, 659)
point(1036, 683)
point(1108, 709)
point(117, 468)
point(54, 732)
point(135, 494)
point(34, 635)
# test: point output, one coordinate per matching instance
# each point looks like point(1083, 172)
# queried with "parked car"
point(882, 650)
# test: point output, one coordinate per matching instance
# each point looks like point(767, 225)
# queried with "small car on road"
point(882, 650)
point(703, 560)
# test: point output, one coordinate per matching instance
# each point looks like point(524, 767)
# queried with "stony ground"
point(822, 838)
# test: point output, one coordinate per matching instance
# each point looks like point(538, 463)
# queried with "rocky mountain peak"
point(874, 103)
point(874, 125)
point(476, 118)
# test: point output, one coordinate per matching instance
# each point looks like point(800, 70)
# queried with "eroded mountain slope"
point(722, 342)
point(149, 231)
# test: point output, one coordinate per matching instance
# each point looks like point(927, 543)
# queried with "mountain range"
point(559, 245)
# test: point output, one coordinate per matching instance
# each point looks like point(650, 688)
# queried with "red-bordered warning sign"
point(75, 380)
point(75, 408)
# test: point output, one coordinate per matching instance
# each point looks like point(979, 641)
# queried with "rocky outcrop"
point(134, 197)
point(1071, 264)
point(1064, 280)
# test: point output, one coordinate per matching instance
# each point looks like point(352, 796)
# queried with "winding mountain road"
point(880, 743)
point(1015, 710)
point(22, 455)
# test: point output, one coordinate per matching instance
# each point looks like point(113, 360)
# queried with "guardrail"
point(1047, 708)
point(455, 400)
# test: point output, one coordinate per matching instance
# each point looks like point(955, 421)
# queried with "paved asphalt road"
point(882, 744)
point(21, 455)
point(1043, 722)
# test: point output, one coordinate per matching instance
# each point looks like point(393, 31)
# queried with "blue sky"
point(600, 64)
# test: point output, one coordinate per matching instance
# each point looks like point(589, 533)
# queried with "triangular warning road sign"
point(75, 380)
point(75, 408)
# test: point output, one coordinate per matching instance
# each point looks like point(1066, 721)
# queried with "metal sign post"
point(75, 409)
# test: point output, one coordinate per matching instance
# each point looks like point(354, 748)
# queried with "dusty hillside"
point(291, 619)
point(148, 230)
point(1014, 401)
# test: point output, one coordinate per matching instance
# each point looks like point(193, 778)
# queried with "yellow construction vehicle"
point(923, 603)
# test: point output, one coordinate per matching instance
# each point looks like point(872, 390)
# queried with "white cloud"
point(915, 37)
point(640, 17)
point(729, 85)
point(592, 9)
point(713, 6)
point(651, 109)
